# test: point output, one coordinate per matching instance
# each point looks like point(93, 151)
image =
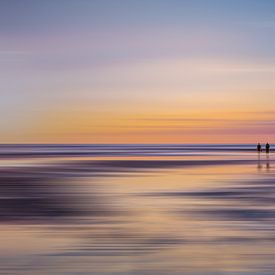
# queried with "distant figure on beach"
point(259, 147)
point(267, 147)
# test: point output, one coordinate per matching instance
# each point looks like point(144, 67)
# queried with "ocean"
point(137, 209)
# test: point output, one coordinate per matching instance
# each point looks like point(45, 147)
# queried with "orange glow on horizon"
point(80, 126)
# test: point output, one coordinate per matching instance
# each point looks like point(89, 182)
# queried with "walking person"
point(259, 147)
point(267, 147)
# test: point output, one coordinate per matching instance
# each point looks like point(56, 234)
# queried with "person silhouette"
point(267, 147)
point(259, 147)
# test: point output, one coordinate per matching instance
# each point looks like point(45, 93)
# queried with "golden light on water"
point(134, 208)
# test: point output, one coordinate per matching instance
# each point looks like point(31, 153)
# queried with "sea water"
point(137, 209)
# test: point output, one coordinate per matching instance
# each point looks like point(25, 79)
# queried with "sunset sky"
point(135, 71)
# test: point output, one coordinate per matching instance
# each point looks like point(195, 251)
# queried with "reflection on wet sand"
point(263, 161)
point(138, 216)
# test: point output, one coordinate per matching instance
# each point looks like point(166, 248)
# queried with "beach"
point(136, 209)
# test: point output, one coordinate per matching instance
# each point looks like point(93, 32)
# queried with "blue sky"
point(86, 57)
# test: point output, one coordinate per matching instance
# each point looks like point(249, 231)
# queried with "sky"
point(136, 71)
